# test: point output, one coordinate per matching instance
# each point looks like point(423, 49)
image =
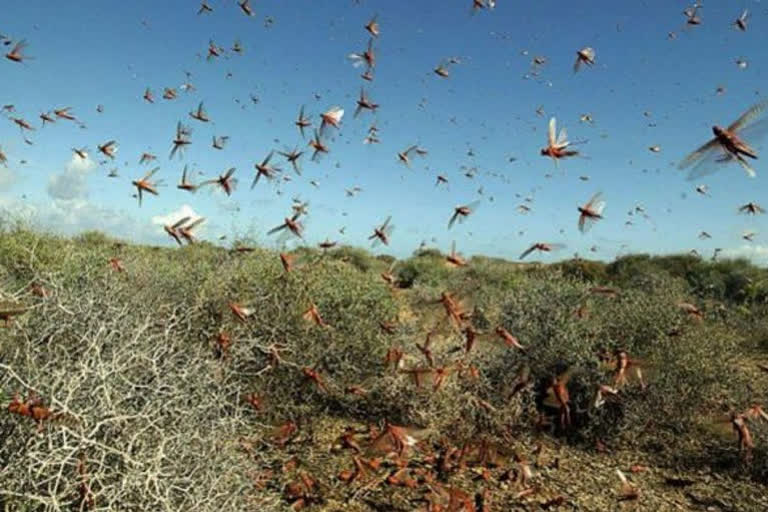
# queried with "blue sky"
point(91, 52)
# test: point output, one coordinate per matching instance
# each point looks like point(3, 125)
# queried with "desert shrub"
point(735, 280)
point(584, 270)
point(93, 238)
point(358, 258)
point(689, 368)
point(428, 268)
point(157, 406)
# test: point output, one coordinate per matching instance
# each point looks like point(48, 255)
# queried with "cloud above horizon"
point(72, 182)
point(757, 254)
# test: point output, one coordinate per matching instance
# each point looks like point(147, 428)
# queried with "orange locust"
point(82, 153)
point(313, 315)
point(255, 401)
point(219, 142)
point(181, 140)
point(264, 169)
point(169, 93)
point(542, 247)
point(366, 57)
point(624, 364)
point(522, 380)
point(604, 291)
point(17, 52)
point(627, 491)
point(46, 118)
point(454, 259)
point(364, 102)
point(405, 156)
point(355, 390)
point(394, 356)
point(287, 261)
point(39, 290)
point(204, 8)
point(441, 179)
point(584, 56)
point(200, 114)
point(245, 6)
point(299, 207)
point(213, 50)
point(397, 440)
point(223, 342)
point(388, 327)
point(478, 5)
point(146, 158)
point(437, 375)
point(186, 231)
point(558, 396)
point(508, 339)
point(388, 276)
point(185, 184)
point(293, 158)
point(358, 473)
point(225, 181)
point(63, 113)
point(22, 124)
point(9, 310)
point(34, 409)
point(453, 309)
point(241, 312)
point(382, 233)
point(283, 433)
point(372, 137)
point(148, 96)
point(691, 14)
point(327, 244)
point(314, 376)
point(741, 21)
point(691, 310)
point(332, 117)
point(426, 349)
point(172, 230)
point(3, 158)
point(461, 212)
point(442, 69)
point(319, 146)
point(302, 121)
point(591, 212)
point(751, 208)
point(557, 144)
point(303, 492)
point(290, 223)
point(144, 185)
point(729, 145)
point(602, 391)
point(116, 264)
point(739, 425)
point(470, 338)
point(373, 26)
point(85, 494)
point(400, 477)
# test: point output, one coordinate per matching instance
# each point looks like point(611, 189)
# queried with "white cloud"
point(78, 165)
point(72, 216)
point(7, 178)
point(72, 183)
point(172, 218)
point(757, 254)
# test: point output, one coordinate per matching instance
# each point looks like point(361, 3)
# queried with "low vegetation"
point(202, 379)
